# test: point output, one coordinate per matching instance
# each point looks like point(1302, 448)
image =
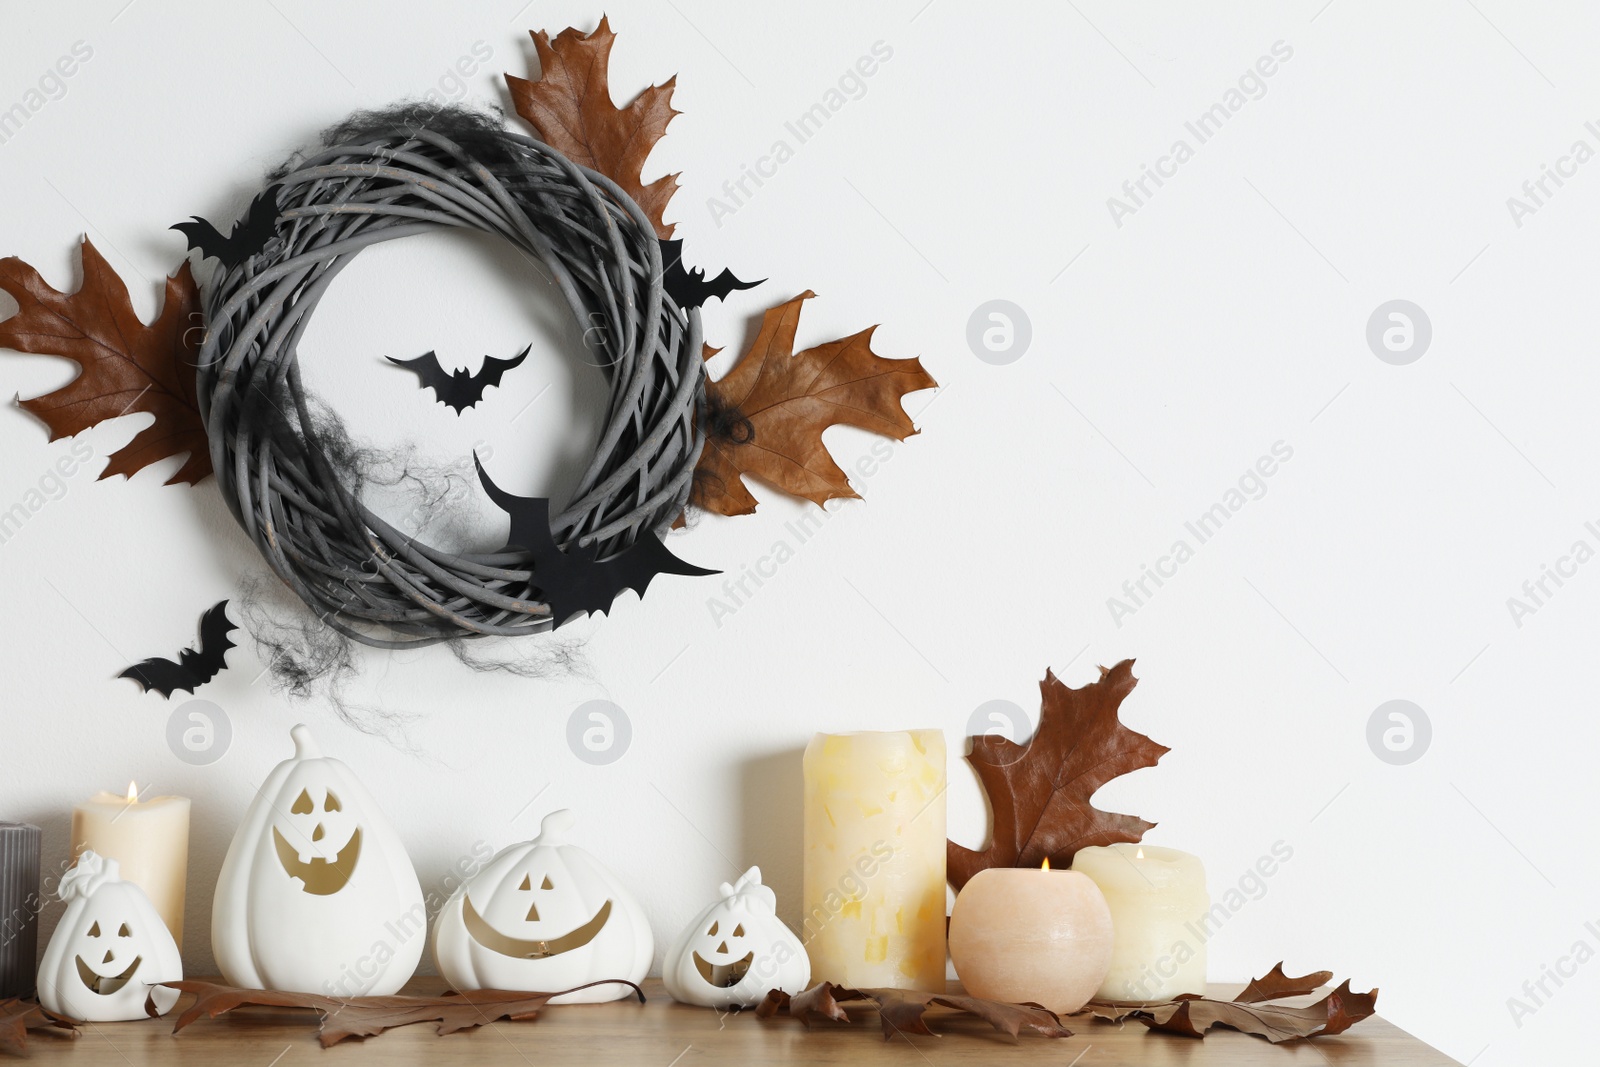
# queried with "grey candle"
point(19, 908)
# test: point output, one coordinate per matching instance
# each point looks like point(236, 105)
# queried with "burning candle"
point(1158, 903)
point(149, 839)
point(1026, 935)
point(19, 908)
point(874, 883)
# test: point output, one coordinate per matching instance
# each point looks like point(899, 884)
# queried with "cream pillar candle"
point(149, 839)
point(874, 859)
point(1158, 903)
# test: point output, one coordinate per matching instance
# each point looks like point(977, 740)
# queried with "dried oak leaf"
point(344, 1017)
point(570, 105)
point(902, 1010)
point(766, 415)
point(125, 366)
point(1257, 1011)
point(17, 1017)
point(1040, 792)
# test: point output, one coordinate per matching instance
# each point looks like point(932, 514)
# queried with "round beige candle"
point(149, 839)
point(874, 884)
point(1158, 903)
point(1031, 935)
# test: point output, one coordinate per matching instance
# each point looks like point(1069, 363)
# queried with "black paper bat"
point(250, 234)
point(457, 389)
point(688, 287)
point(194, 668)
point(574, 582)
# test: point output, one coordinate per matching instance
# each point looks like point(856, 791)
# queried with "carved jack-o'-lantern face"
point(543, 915)
point(724, 964)
point(108, 950)
point(536, 935)
point(317, 842)
point(736, 950)
point(316, 894)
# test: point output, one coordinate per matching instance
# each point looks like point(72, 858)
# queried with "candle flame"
point(1045, 866)
point(1139, 855)
point(133, 792)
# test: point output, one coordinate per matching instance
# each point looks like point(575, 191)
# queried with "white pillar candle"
point(1158, 903)
point(874, 859)
point(149, 839)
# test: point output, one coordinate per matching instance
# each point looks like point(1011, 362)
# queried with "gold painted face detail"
point(106, 984)
point(527, 948)
point(319, 876)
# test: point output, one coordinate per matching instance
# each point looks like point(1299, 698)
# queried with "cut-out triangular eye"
point(94, 931)
point(331, 802)
point(527, 882)
point(738, 931)
point(713, 931)
point(547, 883)
point(302, 804)
point(122, 931)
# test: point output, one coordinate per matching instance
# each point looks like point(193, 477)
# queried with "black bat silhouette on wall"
point(194, 667)
point(457, 389)
point(688, 286)
point(575, 582)
point(250, 234)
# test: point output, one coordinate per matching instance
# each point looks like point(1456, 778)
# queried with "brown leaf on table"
point(1257, 1011)
point(570, 105)
point(1040, 791)
point(344, 1017)
point(1275, 985)
point(125, 366)
point(17, 1017)
point(902, 1010)
point(766, 416)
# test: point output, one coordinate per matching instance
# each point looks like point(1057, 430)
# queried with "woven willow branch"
point(374, 583)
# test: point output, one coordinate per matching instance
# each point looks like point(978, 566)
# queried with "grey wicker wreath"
point(384, 177)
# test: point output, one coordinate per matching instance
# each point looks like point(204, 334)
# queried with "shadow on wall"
point(771, 833)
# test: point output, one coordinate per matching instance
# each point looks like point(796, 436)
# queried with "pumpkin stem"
point(305, 746)
point(553, 830)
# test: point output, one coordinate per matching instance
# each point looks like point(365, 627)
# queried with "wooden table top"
point(663, 1033)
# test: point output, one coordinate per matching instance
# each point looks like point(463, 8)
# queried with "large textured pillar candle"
point(1158, 903)
point(149, 839)
point(874, 859)
point(19, 908)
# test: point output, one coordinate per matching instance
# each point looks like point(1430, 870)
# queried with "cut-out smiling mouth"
point(723, 975)
point(320, 876)
point(519, 948)
point(105, 984)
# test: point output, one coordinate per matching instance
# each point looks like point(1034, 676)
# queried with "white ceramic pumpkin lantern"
point(543, 916)
point(109, 950)
point(317, 894)
point(736, 950)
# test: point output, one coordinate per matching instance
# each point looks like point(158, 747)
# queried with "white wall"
point(1169, 353)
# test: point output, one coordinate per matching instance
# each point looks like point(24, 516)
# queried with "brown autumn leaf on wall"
point(768, 413)
point(125, 366)
point(1040, 791)
point(570, 105)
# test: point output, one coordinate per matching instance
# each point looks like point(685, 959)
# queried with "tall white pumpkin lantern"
point(543, 916)
point(736, 950)
point(317, 894)
point(109, 950)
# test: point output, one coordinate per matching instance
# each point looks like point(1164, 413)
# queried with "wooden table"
point(662, 1033)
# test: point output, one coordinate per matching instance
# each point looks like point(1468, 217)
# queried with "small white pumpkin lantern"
point(736, 950)
point(109, 949)
point(317, 894)
point(543, 916)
